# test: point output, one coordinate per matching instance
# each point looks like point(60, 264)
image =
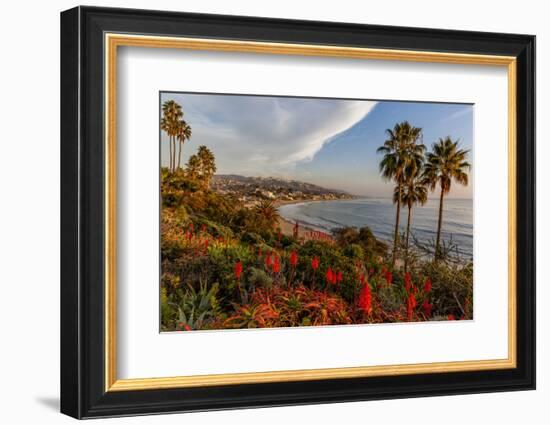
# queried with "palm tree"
point(208, 164)
point(267, 211)
point(202, 166)
point(171, 116)
point(193, 167)
point(414, 192)
point(445, 163)
point(402, 155)
point(184, 133)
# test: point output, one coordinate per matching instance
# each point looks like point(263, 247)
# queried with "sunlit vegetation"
point(226, 265)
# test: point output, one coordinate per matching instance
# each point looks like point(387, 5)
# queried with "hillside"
point(254, 188)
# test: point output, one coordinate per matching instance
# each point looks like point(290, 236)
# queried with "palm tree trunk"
point(170, 161)
point(396, 234)
point(440, 221)
point(407, 238)
point(179, 152)
point(173, 162)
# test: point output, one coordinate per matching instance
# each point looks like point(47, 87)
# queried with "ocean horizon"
point(379, 215)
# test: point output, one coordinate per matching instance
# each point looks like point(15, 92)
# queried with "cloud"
point(266, 135)
point(457, 114)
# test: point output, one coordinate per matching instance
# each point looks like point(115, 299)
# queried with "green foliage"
point(363, 237)
point(197, 307)
point(258, 278)
point(390, 297)
point(354, 250)
point(175, 187)
point(452, 291)
point(252, 238)
point(201, 167)
point(166, 311)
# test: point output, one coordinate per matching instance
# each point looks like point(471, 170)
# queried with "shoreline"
point(304, 231)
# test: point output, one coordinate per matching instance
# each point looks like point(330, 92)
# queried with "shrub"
point(252, 238)
point(364, 237)
point(354, 251)
point(258, 278)
point(452, 289)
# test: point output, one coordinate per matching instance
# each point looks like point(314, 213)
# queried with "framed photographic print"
point(261, 212)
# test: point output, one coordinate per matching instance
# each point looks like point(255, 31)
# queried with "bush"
point(354, 251)
point(252, 238)
point(452, 289)
point(258, 278)
point(363, 237)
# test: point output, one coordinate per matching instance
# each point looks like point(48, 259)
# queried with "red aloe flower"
point(428, 285)
point(329, 275)
point(451, 317)
point(315, 263)
point(238, 269)
point(187, 327)
point(388, 276)
point(408, 282)
point(203, 227)
point(427, 307)
point(339, 277)
point(365, 299)
point(411, 304)
point(276, 265)
point(191, 227)
point(293, 258)
point(268, 260)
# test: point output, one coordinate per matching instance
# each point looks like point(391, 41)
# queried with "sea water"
point(379, 215)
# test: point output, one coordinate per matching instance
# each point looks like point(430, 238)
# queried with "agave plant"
point(196, 307)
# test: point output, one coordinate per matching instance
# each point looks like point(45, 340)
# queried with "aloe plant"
point(196, 307)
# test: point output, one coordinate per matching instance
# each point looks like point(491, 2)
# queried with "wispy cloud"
point(467, 109)
point(266, 135)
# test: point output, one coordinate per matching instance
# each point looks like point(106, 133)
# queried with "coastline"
point(310, 231)
point(287, 226)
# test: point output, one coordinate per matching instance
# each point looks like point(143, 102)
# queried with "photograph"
point(298, 211)
point(286, 210)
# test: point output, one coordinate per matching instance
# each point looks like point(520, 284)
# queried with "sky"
point(329, 142)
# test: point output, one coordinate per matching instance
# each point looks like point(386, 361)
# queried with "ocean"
point(379, 215)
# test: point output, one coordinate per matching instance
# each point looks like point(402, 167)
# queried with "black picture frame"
point(83, 392)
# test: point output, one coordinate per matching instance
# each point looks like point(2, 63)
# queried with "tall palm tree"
point(402, 155)
point(171, 116)
point(184, 133)
point(414, 192)
point(445, 163)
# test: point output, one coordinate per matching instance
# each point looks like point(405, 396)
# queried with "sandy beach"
point(304, 232)
point(287, 228)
